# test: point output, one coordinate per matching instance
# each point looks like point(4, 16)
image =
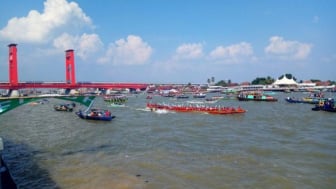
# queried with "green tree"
point(315, 80)
point(263, 81)
point(288, 75)
point(222, 83)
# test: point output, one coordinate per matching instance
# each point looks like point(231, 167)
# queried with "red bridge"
point(70, 77)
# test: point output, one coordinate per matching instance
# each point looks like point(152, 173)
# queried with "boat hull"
point(317, 108)
point(209, 110)
point(257, 99)
point(327, 105)
point(255, 96)
point(64, 108)
point(96, 118)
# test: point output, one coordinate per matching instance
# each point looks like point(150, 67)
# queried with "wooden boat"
point(191, 108)
point(180, 96)
point(214, 98)
point(118, 105)
point(211, 100)
point(307, 100)
point(256, 96)
point(293, 100)
point(96, 114)
point(313, 98)
point(64, 107)
point(116, 99)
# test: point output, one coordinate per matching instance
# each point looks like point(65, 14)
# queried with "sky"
point(170, 41)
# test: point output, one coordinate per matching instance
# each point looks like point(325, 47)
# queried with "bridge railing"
point(63, 85)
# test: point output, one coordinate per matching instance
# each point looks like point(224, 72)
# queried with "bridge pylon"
point(70, 77)
point(13, 68)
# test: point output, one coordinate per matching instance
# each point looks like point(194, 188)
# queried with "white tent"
point(284, 81)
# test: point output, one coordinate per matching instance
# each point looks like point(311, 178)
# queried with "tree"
point(263, 81)
point(288, 75)
point(315, 80)
point(222, 83)
point(213, 79)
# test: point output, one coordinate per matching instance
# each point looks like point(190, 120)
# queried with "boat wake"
point(161, 111)
point(118, 105)
point(195, 102)
point(158, 111)
point(143, 109)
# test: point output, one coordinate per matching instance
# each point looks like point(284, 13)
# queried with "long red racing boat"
point(191, 108)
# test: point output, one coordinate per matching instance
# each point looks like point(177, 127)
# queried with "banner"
point(7, 104)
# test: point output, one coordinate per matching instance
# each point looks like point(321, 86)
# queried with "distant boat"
point(199, 95)
point(64, 107)
point(255, 96)
point(293, 100)
point(118, 105)
point(211, 100)
point(313, 98)
point(116, 99)
point(182, 96)
point(215, 88)
point(307, 100)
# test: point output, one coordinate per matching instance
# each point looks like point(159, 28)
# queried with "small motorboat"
point(181, 96)
point(65, 107)
point(118, 105)
point(199, 95)
point(96, 114)
point(327, 105)
point(293, 100)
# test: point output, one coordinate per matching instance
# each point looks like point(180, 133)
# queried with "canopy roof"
point(285, 81)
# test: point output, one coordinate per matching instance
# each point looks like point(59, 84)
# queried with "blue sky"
point(170, 41)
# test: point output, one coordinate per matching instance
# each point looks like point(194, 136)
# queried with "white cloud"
point(130, 51)
point(189, 51)
point(288, 50)
point(233, 54)
point(58, 15)
point(85, 45)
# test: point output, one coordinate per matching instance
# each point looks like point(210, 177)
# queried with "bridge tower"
point(70, 77)
point(12, 61)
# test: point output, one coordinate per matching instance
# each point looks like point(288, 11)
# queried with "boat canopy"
point(284, 81)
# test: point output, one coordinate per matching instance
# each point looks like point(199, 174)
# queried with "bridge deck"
point(102, 85)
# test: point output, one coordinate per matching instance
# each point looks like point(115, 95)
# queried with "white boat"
point(215, 88)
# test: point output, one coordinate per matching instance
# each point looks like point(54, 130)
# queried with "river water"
point(272, 145)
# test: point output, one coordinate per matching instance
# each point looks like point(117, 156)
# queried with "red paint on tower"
point(12, 61)
point(70, 77)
